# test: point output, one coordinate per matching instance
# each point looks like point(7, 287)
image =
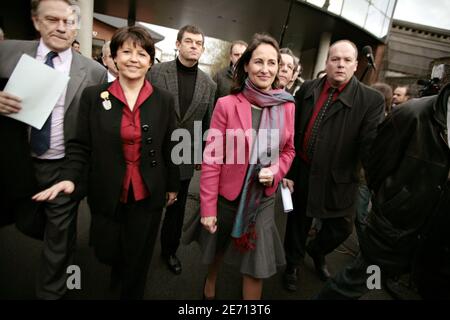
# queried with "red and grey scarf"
point(264, 153)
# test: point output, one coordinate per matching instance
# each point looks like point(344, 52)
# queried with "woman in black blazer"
point(124, 139)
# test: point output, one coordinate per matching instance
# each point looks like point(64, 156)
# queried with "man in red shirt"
point(336, 121)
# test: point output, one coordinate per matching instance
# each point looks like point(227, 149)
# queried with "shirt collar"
point(116, 90)
point(111, 77)
point(341, 88)
point(43, 50)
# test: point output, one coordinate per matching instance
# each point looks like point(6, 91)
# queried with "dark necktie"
point(40, 139)
point(315, 129)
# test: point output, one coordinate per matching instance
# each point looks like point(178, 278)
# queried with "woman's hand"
point(209, 223)
point(266, 177)
point(65, 186)
point(288, 184)
point(171, 198)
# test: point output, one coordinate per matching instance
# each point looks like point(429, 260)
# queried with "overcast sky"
point(435, 13)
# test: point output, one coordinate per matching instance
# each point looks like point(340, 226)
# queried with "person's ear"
point(35, 23)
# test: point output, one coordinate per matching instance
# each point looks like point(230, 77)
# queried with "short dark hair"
point(240, 75)
point(35, 5)
point(191, 29)
point(408, 91)
point(139, 35)
point(75, 42)
point(241, 42)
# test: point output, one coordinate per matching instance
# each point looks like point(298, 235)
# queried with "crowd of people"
point(349, 154)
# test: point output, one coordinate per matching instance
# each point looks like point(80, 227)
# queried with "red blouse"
point(130, 132)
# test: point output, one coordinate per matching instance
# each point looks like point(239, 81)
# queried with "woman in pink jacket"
point(248, 151)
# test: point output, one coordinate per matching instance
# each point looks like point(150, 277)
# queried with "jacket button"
point(145, 127)
point(152, 153)
point(439, 188)
point(149, 140)
point(153, 163)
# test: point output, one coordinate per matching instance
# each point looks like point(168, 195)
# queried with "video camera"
point(429, 87)
point(433, 86)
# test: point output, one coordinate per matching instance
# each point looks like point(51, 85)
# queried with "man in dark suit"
point(224, 78)
point(336, 121)
point(42, 151)
point(194, 93)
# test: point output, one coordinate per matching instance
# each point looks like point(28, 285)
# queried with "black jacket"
point(346, 134)
point(224, 80)
point(408, 172)
point(98, 144)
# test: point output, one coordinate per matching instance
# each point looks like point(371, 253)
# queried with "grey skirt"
point(260, 263)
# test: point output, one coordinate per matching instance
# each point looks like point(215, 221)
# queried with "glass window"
point(336, 6)
point(384, 31)
point(372, 15)
point(382, 5)
point(318, 3)
point(375, 21)
point(390, 10)
point(356, 11)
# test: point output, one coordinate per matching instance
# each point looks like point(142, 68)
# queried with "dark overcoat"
point(346, 134)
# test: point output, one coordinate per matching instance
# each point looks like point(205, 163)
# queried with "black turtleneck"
point(186, 85)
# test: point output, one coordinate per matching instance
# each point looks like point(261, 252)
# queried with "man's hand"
point(171, 198)
point(9, 103)
point(209, 223)
point(65, 186)
point(266, 177)
point(288, 184)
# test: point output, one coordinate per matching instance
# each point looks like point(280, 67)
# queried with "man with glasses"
point(32, 159)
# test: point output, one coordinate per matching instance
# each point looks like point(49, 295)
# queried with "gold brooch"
point(106, 102)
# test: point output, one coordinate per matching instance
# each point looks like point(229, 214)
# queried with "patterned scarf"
point(272, 120)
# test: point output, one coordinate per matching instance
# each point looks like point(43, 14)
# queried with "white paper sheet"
point(39, 86)
point(287, 199)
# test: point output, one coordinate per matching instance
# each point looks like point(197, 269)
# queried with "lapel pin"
point(106, 102)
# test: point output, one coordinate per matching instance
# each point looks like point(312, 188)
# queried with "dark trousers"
point(59, 237)
point(173, 221)
point(333, 232)
point(139, 229)
point(362, 208)
point(350, 283)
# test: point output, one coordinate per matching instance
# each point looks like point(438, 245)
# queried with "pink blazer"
point(218, 177)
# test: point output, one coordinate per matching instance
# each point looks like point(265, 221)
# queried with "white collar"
point(43, 50)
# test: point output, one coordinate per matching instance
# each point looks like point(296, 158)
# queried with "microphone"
point(367, 52)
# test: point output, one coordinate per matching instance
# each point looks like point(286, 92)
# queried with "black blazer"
point(345, 137)
point(98, 144)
